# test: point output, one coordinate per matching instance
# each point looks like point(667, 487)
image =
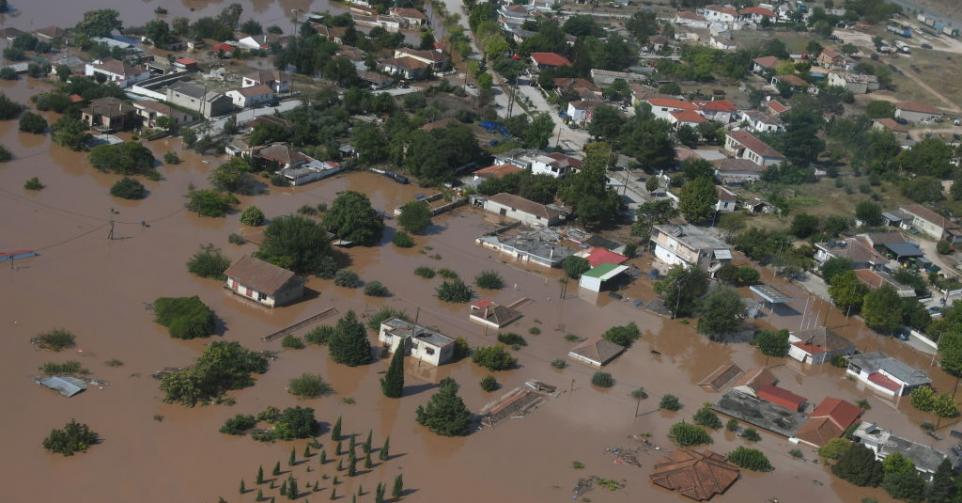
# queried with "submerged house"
point(885, 374)
point(428, 346)
point(263, 282)
point(830, 419)
point(596, 351)
point(697, 475)
point(818, 345)
point(883, 443)
point(494, 315)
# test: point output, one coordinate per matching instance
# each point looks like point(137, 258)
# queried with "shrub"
point(128, 188)
point(5, 154)
point(686, 435)
point(319, 335)
point(575, 266)
point(55, 340)
point(238, 425)
point(454, 291)
point(772, 343)
point(534, 331)
point(732, 425)
point(512, 339)
point(208, 262)
point(309, 386)
point(750, 459)
point(493, 358)
point(185, 317)
point(707, 418)
point(384, 314)
point(252, 216)
point(127, 158)
point(296, 422)
point(222, 366)
point(623, 335)
point(669, 402)
point(489, 280)
point(376, 289)
point(402, 240)
point(447, 273)
point(236, 239)
point(210, 203)
point(33, 184)
point(9, 109)
point(171, 158)
point(489, 383)
point(73, 438)
point(424, 272)
point(291, 341)
point(796, 453)
point(349, 344)
point(347, 278)
point(461, 349)
point(33, 123)
point(307, 210)
point(71, 367)
point(558, 363)
point(751, 435)
point(602, 380)
point(943, 247)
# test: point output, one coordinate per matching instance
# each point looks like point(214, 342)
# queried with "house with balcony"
point(689, 246)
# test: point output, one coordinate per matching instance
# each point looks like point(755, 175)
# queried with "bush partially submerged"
point(128, 188)
point(686, 435)
point(208, 262)
point(494, 358)
point(454, 291)
point(376, 289)
point(623, 335)
point(402, 239)
point(309, 386)
point(185, 317)
point(319, 335)
point(424, 272)
point(55, 340)
point(210, 203)
point(489, 280)
point(512, 339)
point(602, 380)
point(74, 437)
point(347, 279)
point(291, 341)
point(222, 366)
point(238, 425)
point(750, 459)
point(384, 314)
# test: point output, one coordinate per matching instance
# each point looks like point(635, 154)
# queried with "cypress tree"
point(260, 475)
point(398, 487)
point(445, 414)
point(352, 469)
point(323, 457)
point(333, 493)
point(353, 498)
point(340, 464)
point(292, 459)
point(260, 495)
point(379, 493)
point(283, 490)
point(385, 453)
point(349, 344)
point(858, 466)
point(352, 444)
point(367, 460)
point(243, 489)
point(942, 489)
point(339, 448)
point(336, 430)
point(335, 481)
point(292, 490)
point(360, 490)
point(277, 469)
point(392, 384)
point(307, 451)
point(367, 442)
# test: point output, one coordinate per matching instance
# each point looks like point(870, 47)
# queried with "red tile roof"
point(722, 9)
point(497, 171)
point(778, 107)
point(186, 61)
point(550, 59)
point(761, 11)
point(792, 80)
point(599, 255)
point(883, 381)
point(840, 412)
point(768, 62)
point(781, 397)
point(672, 103)
point(697, 475)
point(688, 116)
point(717, 106)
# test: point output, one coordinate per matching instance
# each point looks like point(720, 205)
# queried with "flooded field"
point(155, 452)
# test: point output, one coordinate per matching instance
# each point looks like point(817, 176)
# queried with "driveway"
point(573, 139)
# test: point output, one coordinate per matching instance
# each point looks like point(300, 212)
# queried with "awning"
point(723, 254)
point(770, 294)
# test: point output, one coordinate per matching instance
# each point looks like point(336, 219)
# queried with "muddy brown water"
point(153, 451)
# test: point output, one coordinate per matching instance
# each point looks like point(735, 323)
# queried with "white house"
point(744, 145)
point(263, 282)
point(816, 346)
point(911, 111)
point(690, 246)
point(250, 97)
point(662, 108)
point(727, 200)
point(720, 14)
point(526, 211)
point(278, 81)
point(555, 164)
point(761, 122)
point(410, 17)
point(857, 83)
point(594, 279)
point(690, 19)
point(883, 443)
point(581, 111)
point(116, 71)
point(885, 374)
point(426, 345)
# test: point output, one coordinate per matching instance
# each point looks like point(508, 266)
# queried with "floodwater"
point(156, 452)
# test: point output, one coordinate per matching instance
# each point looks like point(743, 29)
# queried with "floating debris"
point(625, 456)
point(65, 385)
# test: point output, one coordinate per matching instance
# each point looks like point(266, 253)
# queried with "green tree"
point(260, 475)
point(208, 262)
point(185, 317)
point(650, 214)
point(575, 266)
point(493, 357)
point(686, 435)
point(930, 157)
point(296, 243)
point(595, 204)
point(750, 459)
point(847, 291)
point(252, 216)
point(128, 188)
point(943, 488)
point(858, 466)
point(720, 313)
point(772, 343)
point(352, 218)
point(415, 217)
point(445, 413)
point(835, 266)
point(454, 290)
point(99, 23)
point(384, 453)
point(697, 200)
point(624, 335)
point(901, 480)
point(74, 437)
point(349, 344)
point(210, 203)
point(705, 417)
point(881, 310)
point(950, 351)
point(127, 158)
point(681, 289)
point(33, 123)
point(70, 132)
point(804, 225)
point(392, 384)
point(234, 176)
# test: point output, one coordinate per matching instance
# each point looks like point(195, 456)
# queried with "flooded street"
point(99, 289)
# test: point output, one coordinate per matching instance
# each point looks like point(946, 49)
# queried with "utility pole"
point(110, 233)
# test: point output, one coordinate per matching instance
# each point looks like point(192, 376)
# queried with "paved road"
point(245, 116)
point(575, 139)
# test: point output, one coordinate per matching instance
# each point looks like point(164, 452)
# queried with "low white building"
point(744, 145)
point(251, 97)
point(426, 345)
point(527, 212)
point(857, 83)
point(116, 71)
point(596, 352)
point(885, 374)
point(720, 14)
point(883, 443)
point(278, 81)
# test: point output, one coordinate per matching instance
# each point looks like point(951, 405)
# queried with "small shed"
point(65, 385)
point(593, 279)
point(263, 282)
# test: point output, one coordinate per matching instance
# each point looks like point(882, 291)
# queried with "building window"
point(429, 351)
